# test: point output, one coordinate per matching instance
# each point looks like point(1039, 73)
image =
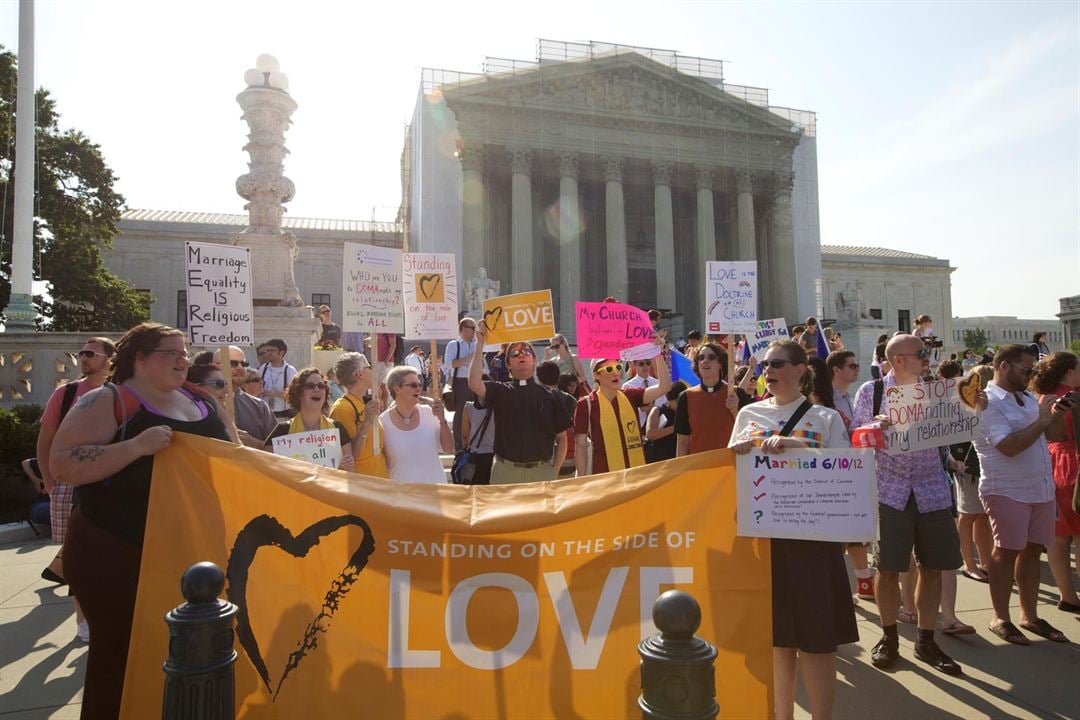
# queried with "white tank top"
point(413, 455)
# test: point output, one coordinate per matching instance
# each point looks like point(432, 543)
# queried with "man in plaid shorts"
point(94, 364)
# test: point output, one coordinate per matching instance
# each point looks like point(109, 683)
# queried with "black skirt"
point(812, 606)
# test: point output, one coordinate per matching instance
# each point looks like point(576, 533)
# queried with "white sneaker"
point(82, 632)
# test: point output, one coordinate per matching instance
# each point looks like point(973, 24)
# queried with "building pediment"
point(623, 84)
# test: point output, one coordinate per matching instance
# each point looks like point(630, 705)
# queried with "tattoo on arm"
point(86, 453)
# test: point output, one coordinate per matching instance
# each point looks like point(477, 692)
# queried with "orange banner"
point(364, 597)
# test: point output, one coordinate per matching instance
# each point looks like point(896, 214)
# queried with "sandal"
point(908, 617)
point(1044, 629)
point(978, 575)
point(1010, 634)
point(957, 628)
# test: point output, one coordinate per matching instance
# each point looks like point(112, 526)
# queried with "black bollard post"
point(678, 681)
point(200, 682)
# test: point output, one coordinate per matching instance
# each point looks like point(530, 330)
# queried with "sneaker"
point(864, 588)
point(82, 632)
point(933, 656)
point(885, 653)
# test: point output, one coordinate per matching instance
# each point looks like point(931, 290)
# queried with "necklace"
point(407, 419)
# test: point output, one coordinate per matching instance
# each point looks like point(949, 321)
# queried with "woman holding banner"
point(812, 607)
point(356, 416)
point(412, 436)
point(308, 396)
point(106, 447)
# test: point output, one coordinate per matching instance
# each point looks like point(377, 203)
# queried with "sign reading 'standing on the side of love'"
point(217, 282)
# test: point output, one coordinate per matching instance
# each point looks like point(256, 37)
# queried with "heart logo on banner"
point(266, 531)
point(969, 389)
point(428, 285)
point(494, 314)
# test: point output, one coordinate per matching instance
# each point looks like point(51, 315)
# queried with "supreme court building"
point(605, 170)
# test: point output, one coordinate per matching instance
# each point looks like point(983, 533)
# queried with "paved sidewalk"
point(41, 663)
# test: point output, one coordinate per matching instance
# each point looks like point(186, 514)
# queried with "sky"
point(949, 129)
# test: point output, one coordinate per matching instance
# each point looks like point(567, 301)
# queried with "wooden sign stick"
point(376, 382)
point(732, 342)
point(436, 391)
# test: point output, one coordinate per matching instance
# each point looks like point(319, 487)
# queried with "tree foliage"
point(75, 216)
point(976, 340)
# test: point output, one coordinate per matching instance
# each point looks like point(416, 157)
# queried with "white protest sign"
point(217, 280)
point(429, 285)
point(768, 331)
point(371, 284)
point(322, 447)
point(644, 351)
point(828, 494)
point(731, 297)
point(927, 415)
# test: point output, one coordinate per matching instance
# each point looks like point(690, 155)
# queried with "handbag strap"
point(790, 424)
point(480, 430)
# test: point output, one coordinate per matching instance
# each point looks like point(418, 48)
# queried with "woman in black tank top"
point(105, 447)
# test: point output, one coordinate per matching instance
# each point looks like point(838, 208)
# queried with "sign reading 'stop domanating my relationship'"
point(928, 415)
point(217, 280)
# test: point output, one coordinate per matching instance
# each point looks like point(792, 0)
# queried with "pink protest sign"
point(604, 329)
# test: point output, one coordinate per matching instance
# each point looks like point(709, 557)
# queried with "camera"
point(931, 341)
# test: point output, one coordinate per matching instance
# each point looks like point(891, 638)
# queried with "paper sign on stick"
point(644, 351)
point(828, 494)
point(217, 280)
point(520, 317)
point(429, 285)
point(731, 297)
point(371, 284)
point(605, 329)
point(768, 331)
point(927, 415)
point(322, 447)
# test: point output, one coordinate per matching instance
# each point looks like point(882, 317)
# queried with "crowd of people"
point(986, 509)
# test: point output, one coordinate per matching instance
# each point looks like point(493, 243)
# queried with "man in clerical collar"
point(706, 413)
point(608, 416)
point(530, 421)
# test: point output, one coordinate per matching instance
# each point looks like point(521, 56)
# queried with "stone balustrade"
point(33, 364)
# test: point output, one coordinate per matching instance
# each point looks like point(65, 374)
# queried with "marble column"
point(521, 236)
point(665, 236)
point(618, 280)
point(744, 189)
point(782, 249)
point(570, 260)
point(472, 209)
point(706, 233)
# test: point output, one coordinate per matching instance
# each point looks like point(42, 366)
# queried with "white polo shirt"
point(1027, 477)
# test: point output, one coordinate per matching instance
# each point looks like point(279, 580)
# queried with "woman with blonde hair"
point(357, 412)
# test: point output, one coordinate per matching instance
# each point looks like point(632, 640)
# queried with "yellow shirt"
point(349, 411)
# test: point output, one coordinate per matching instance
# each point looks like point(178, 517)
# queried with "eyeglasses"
point(609, 369)
point(519, 352)
point(643, 363)
point(922, 354)
point(413, 385)
point(238, 363)
point(216, 384)
point(87, 354)
point(853, 366)
point(256, 381)
point(468, 327)
point(176, 354)
point(1026, 370)
point(555, 346)
point(316, 386)
point(777, 363)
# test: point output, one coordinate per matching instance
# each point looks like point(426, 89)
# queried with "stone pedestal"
point(860, 337)
point(297, 326)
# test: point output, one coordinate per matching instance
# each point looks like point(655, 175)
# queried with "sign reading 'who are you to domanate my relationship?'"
point(429, 286)
point(929, 415)
point(371, 281)
point(217, 280)
point(827, 494)
point(731, 297)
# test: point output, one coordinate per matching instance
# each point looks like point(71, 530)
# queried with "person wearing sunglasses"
point(1017, 487)
point(558, 349)
point(413, 433)
point(608, 418)
point(915, 511)
point(331, 331)
point(308, 396)
point(94, 366)
point(642, 370)
point(706, 412)
point(530, 421)
point(251, 414)
point(812, 609)
point(358, 411)
point(209, 378)
point(106, 447)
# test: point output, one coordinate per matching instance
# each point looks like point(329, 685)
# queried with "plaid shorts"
point(60, 510)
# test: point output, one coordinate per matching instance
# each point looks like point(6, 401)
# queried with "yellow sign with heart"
point(520, 317)
point(363, 598)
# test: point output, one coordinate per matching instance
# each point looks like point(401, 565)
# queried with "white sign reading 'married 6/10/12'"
point(731, 297)
point(217, 279)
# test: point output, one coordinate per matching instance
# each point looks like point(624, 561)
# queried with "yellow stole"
point(296, 425)
point(616, 438)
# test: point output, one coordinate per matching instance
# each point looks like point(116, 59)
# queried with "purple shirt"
point(901, 474)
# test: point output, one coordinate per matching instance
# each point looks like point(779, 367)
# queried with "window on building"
point(875, 313)
point(318, 299)
point(181, 309)
point(903, 320)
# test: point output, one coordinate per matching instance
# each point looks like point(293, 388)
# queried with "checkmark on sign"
point(758, 481)
point(758, 497)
